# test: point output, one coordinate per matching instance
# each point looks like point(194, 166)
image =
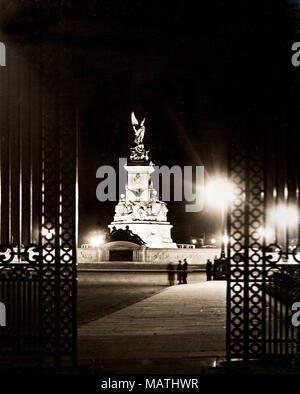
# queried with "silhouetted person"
point(131, 237)
point(209, 270)
point(184, 271)
point(179, 272)
point(215, 267)
point(171, 274)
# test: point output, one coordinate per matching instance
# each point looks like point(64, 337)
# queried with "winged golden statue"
point(139, 129)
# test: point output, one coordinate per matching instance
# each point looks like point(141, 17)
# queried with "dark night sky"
point(196, 69)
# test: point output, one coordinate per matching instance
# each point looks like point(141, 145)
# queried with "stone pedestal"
point(140, 209)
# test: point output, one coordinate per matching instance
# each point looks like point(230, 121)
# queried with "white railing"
point(186, 246)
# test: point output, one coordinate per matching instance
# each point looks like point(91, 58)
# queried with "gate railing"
point(38, 208)
point(263, 229)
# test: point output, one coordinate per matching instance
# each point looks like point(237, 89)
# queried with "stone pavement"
point(179, 330)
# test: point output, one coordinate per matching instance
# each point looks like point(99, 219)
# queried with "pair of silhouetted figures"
point(125, 235)
point(217, 269)
point(181, 270)
point(212, 268)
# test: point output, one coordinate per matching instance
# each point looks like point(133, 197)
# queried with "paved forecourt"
point(181, 329)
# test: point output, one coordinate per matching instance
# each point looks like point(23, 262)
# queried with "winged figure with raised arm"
point(139, 129)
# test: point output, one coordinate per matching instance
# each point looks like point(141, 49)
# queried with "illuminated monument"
point(140, 208)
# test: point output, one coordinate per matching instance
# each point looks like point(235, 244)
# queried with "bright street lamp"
point(219, 193)
point(225, 239)
point(285, 215)
point(96, 240)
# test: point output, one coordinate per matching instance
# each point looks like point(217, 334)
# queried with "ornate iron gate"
point(38, 198)
point(263, 228)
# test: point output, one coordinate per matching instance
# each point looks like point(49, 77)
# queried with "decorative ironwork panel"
point(263, 264)
point(38, 201)
point(59, 224)
point(236, 314)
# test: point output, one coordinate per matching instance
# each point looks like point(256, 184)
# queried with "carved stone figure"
point(139, 129)
point(120, 209)
point(153, 210)
point(138, 153)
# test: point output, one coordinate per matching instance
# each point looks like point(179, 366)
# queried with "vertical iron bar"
point(228, 274)
point(275, 326)
point(246, 257)
point(30, 162)
point(57, 237)
point(1, 148)
point(264, 273)
point(9, 229)
point(41, 212)
point(20, 129)
point(75, 242)
point(285, 316)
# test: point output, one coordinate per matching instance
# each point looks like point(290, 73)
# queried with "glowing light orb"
point(285, 216)
point(219, 192)
point(96, 241)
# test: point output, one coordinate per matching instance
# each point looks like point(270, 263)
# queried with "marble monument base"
point(143, 257)
point(155, 234)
